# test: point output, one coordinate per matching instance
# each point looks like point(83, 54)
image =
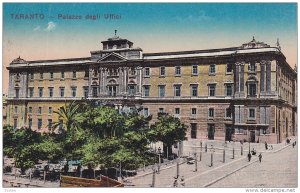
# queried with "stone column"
point(262, 76)
point(90, 81)
point(268, 77)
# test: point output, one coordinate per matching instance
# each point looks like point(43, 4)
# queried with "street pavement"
point(276, 170)
point(215, 176)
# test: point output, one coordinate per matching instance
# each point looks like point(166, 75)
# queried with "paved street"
point(276, 170)
point(236, 172)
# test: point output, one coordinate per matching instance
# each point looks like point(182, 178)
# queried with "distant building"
point(237, 93)
point(4, 109)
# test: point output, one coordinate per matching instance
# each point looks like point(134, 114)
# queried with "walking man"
point(259, 157)
point(175, 184)
point(249, 156)
point(182, 182)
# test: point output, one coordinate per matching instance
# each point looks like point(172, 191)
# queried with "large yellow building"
point(246, 92)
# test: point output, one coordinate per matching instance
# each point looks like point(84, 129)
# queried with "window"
point(86, 74)
point(177, 90)
point(194, 90)
point(162, 71)
point(228, 113)
point(194, 70)
point(132, 71)
point(229, 68)
point(74, 89)
point(177, 111)
point(29, 109)
point(228, 89)
point(193, 130)
point(41, 91)
point(50, 91)
point(49, 110)
point(211, 131)
point(16, 110)
point(239, 130)
point(95, 91)
point(211, 89)
point(51, 76)
point(147, 72)
point(161, 90)
point(40, 123)
point(112, 91)
point(62, 91)
point(49, 124)
point(15, 123)
point(85, 91)
point(74, 75)
point(251, 67)
point(40, 110)
point(146, 112)
point(212, 69)
point(211, 112)
point(252, 89)
point(31, 75)
point(29, 123)
point(131, 90)
point(31, 92)
point(177, 70)
point(41, 76)
point(251, 113)
point(17, 91)
point(161, 110)
point(62, 75)
point(194, 111)
point(146, 90)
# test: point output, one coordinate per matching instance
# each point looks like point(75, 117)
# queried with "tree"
point(105, 122)
point(68, 116)
point(21, 144)
point(167, 129)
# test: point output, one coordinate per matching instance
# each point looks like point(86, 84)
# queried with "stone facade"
point(238, 93)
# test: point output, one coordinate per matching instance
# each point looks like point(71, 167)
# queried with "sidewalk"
point(10, 181)
point(206, 173)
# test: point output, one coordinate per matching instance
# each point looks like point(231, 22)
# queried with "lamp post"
point(159, 152)
point(242, 149)
point(212, 156)
point(196, 167)
point(153, 177)
point(177, 163)
point(233, 150)
point(225, 145)
point(200, 150)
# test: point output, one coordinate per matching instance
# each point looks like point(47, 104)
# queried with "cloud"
point(37, 28)
point(199, 17)
point(51, 26)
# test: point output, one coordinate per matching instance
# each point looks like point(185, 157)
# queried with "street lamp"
point(212, 156)
point(159, 152)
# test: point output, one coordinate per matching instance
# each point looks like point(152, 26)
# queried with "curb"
point(222, 177)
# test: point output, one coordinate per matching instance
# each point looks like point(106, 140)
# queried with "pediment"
point(112, 57)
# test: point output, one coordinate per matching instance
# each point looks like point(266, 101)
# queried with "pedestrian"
point(266, 145)
point(249, 156)
point(293, 144)
point(259, 157)
point(175, 184)
point(182, 182)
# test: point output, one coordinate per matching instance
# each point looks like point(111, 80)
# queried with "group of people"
point(259, 156)
point(182, 182)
